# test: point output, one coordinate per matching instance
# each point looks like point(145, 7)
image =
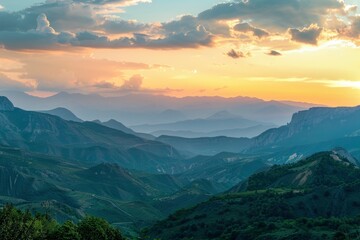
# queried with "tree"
point(93, 228)
point(68, 231)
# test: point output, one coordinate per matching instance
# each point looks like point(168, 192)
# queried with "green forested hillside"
point(86, 142)
point(67, 190)
point(317, 198)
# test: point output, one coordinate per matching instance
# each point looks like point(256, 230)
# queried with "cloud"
point(276, 15)
point(46, 37)
point(354, 30)
point(1, 7)
point(340, 83)
point(106, 2)
point(63, 15)
point(43, 24)
point(237, 54)
point(66, 24)
point(246, 27)
point(133, 84)
point(274, 53)
point(307, 35)
point(9, 84)
point(188, 23)
point(195, 38)
point(122, 26)
point(72, 71)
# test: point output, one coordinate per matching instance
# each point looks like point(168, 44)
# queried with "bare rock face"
point(6, 104)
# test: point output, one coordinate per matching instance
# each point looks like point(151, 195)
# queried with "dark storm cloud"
point(307, 35)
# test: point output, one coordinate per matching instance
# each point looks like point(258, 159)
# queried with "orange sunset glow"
point(113, 49)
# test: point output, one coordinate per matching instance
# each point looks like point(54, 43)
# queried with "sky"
point(299, 50)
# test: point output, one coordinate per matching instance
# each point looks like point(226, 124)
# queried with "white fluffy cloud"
point(43, 24)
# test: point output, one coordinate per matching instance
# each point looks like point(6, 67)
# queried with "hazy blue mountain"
point(169, 115)
point(312, 199)
point(216, 125)
point(317, 129)
point(310, 131)
point(314, 125)
point(223, 115)
point(137, 109)
point(85, 142)
point(64, 113)
point(207, 145)
point(119, 126)
point(234, 133)
point(112, 123)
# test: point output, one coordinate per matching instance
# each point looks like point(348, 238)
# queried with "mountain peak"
point(63, 113)
point(6, 104)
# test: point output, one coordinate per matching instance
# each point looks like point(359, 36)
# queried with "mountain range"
point(309, 131)
point(138, 109)
point(71, 190)
point(222, 123)
point(55, 162)
point(63, 113)
point(85, 142)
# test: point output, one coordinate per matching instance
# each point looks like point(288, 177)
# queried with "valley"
point(52, 161)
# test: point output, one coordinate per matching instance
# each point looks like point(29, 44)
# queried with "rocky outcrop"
point(314, 125)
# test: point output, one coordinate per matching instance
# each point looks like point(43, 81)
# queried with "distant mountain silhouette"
point(64, 113)
point(218, 124)
point(138, 109)
point(310, 131)
point(119, 126)
point(234, 132)
point(223, 115)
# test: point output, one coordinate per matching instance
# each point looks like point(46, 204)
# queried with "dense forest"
point(23, 225)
